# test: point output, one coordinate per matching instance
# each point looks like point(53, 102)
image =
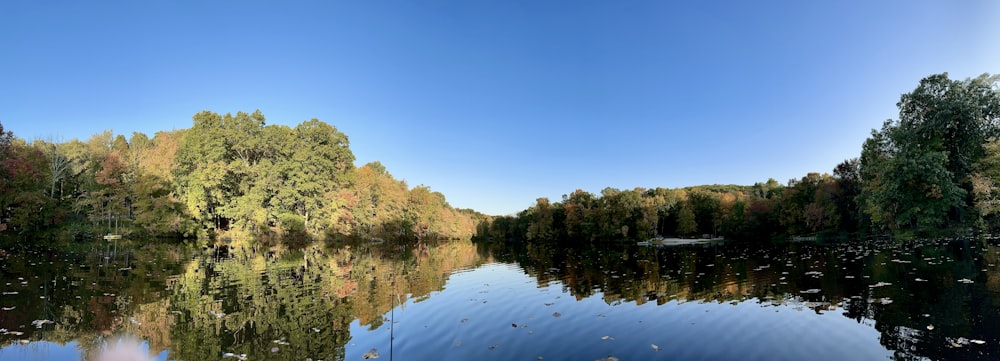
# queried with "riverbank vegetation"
point(226, 176)
point(935, 167)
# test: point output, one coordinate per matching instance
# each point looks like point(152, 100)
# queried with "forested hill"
point(937, 167)
point(230, 175)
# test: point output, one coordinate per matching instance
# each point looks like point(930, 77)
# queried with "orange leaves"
point(111, 169)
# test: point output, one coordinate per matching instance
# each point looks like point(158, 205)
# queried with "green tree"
point(986, 183)
point(202, 168)
point(322, 164)
point(541, 224)
point(686, 223)
point(916, 171)
point(578, 208)
point(848, 178)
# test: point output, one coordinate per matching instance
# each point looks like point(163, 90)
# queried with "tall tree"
point(202, 169)
point(986, 183)
point(916, 171)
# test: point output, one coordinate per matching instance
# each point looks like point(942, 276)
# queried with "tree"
point(916, 171)
point(381, 201)
point(578, 207)
point(322, 164)
point(6, 138)
point(686, 223)
point(541, 223)
point(201, 168)
point(705, 206)
point(848, 178)
point(58, 168)
point(986, 182)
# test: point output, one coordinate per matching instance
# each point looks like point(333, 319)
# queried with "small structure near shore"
point(665, 242)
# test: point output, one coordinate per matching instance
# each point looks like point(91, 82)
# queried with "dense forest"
point(935, 168)
point(226, 176)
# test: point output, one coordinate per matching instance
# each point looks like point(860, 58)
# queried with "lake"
point(460, 300)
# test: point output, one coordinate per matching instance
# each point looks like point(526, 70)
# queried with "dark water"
point(463, 301)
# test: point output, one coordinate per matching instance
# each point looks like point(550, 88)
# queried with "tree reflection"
point(901, 289)
point(295, 304)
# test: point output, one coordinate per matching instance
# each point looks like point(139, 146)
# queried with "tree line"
point(936, 167)
point(227, 175)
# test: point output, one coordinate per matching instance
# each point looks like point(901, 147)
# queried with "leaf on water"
point(957, 342)
point(880, 284)
point(493, 347)
point(371, 354)
point(241, 356)
point(655, 347)
point(556, 314)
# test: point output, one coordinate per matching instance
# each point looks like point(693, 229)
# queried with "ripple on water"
point(498, 312)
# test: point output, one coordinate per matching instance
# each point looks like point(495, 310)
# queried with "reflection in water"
point(459, 300)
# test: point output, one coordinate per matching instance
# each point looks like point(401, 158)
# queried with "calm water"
point(463, 301)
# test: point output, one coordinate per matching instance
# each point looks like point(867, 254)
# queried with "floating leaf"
point(371, 354)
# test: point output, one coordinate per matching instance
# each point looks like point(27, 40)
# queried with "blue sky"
point(496, 103)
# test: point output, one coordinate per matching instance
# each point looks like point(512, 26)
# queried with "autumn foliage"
point(230, 175)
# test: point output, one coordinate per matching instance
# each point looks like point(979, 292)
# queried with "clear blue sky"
point(496, 103)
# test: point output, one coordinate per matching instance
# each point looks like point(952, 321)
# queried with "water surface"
point(459, 301)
